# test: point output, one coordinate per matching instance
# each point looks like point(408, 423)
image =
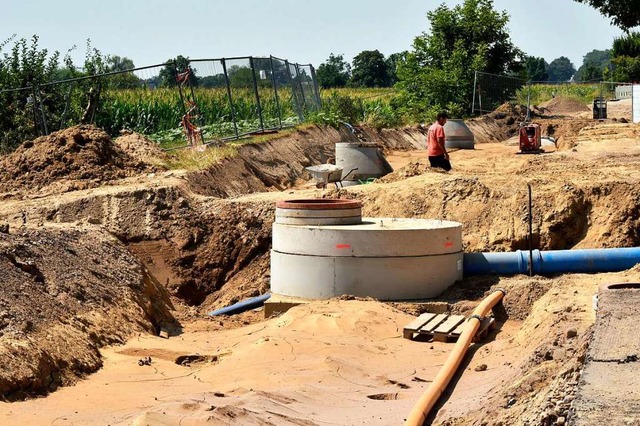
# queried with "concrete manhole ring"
point(319, 204)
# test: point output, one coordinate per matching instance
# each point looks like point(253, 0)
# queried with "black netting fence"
point(490, 91)
point(583, 99)
point(206, 99)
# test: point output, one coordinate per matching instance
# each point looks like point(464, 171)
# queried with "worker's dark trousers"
point(440, 162)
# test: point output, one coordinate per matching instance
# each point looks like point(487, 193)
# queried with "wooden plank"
point(433, 324)
point(459, 329)
point(416, 324)
point(449, 325)
point(445, 328)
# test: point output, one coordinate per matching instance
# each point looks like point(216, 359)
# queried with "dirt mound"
point(511, 109)
point(141, 148)
point(498, 125)
point(65, 293)
point(410, 170)
point(79, 157)
point(563, 106)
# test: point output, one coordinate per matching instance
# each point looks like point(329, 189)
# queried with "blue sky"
point(150, 32)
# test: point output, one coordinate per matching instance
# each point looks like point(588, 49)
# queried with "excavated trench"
point(188, 235)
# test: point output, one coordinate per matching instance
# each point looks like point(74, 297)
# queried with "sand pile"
point(79, 157)
point(563, 106)
point(511, 109)
point(410, 170)
point(141, 148)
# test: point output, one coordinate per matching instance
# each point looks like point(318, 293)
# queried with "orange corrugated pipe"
point(421, 409)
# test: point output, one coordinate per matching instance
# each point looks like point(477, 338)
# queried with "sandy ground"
point(344, 362)
point(340, 362)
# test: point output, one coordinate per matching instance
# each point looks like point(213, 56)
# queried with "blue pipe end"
point(245, 305)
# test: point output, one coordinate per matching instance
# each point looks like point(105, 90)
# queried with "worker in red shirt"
point(438, 156)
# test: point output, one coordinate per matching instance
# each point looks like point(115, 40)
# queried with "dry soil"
point(102, 251)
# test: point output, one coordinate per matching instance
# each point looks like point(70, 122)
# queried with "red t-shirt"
point(435, 131)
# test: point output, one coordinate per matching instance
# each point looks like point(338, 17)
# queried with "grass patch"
point(540, 93)
point(384, 93)
point(281, 133)
point(189, 159)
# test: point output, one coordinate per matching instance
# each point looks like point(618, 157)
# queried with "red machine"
point(530, 139)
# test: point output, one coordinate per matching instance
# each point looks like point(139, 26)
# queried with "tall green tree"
point(593, 65)
point(536, 69)
point(240, 76)
point(561, 69)
point(211, 81)
point(118, 63)
point(168, 75)
point(126, 80)
point(334, 72)
point(392, 66)
point(626, 57)
point(627, 45)
point(25, 65)
point(369, 70)
point(623, 13)
point(438, 72)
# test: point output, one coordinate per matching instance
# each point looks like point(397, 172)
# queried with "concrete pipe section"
point(458, 135)
point(319, 212)
point(388, 259)
point(365, 157)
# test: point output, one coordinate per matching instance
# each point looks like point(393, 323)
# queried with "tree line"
point(370, 69)
point(437, 73)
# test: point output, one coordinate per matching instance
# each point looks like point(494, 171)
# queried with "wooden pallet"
point(443, 327)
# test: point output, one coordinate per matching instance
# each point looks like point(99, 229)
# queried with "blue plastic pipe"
point(552, 261)
point(239, 307)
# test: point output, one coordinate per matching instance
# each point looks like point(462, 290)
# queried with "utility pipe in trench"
point(245, 305)
point(421, 409)
point(552, 261)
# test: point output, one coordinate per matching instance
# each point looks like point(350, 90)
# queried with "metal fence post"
point(67, 104)
point(275, 90)
point(600, 101)
point(304, 100)
point(36, 126)
point(175, 73)
point(293, 91)
point(195, 101)
point(38, 99)
point(255, 89)
point(528, 118)
point(233, 111)
point(316, 89)
point(475, 83)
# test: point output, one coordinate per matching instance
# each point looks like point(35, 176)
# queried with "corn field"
point(222, 98)
point(157, 112)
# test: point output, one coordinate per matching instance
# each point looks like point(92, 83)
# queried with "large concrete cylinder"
point(458, 135)
point(366, 157)
point(389, 259)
